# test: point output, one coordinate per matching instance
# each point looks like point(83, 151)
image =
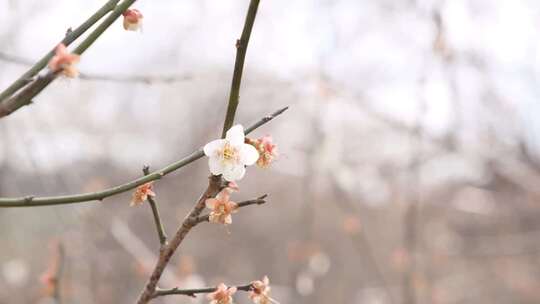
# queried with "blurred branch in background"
point(411, 221)
point(138, 250)
point(358, 237)
point(145, 79)
point(52, 278)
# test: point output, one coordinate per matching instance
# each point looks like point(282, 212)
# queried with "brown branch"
point(157, 219)
point(194, 292)
point(214, 186)
point(193, 219)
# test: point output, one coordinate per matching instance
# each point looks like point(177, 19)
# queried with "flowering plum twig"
point(241, 50)
point(215, 183)
point(194, 292)
point(29, 201)
point(71, 36)
point(24, 97)
point(157, 218)
point(258, 201)
point(191, 220)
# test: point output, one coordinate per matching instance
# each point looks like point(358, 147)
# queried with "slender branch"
point(214, 186)
point(265, 120)
point(138, 249)
point(192, 220)
point(144, 79)
point(71, 36)
point(241, 49)
point(59, 271)
point(52, 277)
point(24, 97)
point(100, 195)
point(194, 292)
point(258, 201)
point(157, 219)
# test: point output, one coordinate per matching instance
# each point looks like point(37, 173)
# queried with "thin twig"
point(100, 195)
point(71, 36)
point(241, 49)
point(214, 186)
point(143, 79)
point(24, 96)
point(157, 219)
point(189, 222)
point(52, 277)
point(138, 249)
point(194, 292)
point(258, 201)
point(59, 271)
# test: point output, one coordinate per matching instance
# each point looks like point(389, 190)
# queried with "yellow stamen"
point(229, 153)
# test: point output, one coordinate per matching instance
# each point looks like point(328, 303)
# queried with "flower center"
point(229, 153)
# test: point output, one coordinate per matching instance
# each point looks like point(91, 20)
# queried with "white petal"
point(232, 173)
point(212, 147)
point(216, 165)
point(248, 154)
point(235, 135)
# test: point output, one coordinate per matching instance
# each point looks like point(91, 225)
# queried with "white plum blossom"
point(229, 156)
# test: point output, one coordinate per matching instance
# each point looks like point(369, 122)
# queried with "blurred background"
point(409, 168)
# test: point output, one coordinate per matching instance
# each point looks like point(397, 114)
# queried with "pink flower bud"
point(268, 151)
point(141, 194)
point(64, 61)
point(132, 19)
point(222, 295)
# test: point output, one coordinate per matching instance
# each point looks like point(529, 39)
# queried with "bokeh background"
point(410, 155)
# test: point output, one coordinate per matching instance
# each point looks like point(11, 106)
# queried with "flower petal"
point(216, 165)
point(212, 218)
point(233, 173)
point(235, 135)
point(223, 195)
point(61, 49)
point(211, 203)
point(214, 146)
point(248, 154)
